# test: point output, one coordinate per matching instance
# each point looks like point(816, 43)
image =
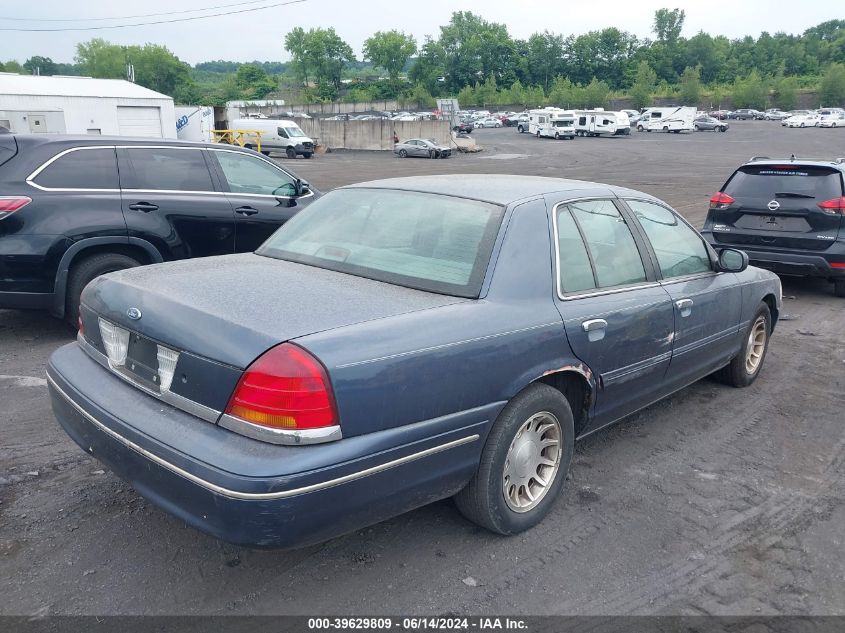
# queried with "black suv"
point(73, 208)
point(787, 214)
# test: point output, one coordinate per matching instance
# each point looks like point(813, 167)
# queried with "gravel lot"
point(715, 501)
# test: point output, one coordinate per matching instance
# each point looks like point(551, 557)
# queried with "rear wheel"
point(839, 287)
point(85, 271)
point(523, 464)
point(697, 128)
point(665, 129)
point(745, 367)
point(557, 136)
point(640, 128)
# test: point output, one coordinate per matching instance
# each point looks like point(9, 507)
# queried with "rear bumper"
point(247, 492)
point(800, 264)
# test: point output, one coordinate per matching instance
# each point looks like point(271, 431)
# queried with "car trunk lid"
point(231, 309)
point(778, 206)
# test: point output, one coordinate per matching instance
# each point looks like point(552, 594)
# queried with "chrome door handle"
point(594, 324)
point(684, 307)
point(246, 211)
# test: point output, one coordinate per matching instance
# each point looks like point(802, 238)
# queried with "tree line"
point(479, 62)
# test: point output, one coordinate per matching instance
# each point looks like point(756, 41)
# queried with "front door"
point(618, 319)
point(707, 304)
point(169, 198)
point(262, 195)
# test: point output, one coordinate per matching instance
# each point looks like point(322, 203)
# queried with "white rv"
point(601, 123)
point(277, 135)
point(672, 119)
point(552, 123)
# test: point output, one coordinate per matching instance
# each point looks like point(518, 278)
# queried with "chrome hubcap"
point(756, 346)
point(532, 462)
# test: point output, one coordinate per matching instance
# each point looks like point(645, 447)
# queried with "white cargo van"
point(277, 135)
point(672, 119)
point(601, 123)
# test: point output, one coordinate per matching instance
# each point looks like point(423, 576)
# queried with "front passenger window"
point(679, 249)
point(250, 174)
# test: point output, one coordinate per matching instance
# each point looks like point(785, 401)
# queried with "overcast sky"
point(260, 34)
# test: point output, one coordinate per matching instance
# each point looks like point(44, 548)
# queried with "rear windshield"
point(785, 181)
point(425, 241)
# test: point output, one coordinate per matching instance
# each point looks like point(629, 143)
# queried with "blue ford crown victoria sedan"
point(398, 342)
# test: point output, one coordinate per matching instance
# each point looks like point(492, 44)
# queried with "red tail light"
point(720, 201)
point(10, 204)
point(286, 388)
point(834, 206)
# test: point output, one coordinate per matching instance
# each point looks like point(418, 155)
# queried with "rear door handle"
point(246, 210)
point(684, 306)
point(595, 329)
point(146, 207)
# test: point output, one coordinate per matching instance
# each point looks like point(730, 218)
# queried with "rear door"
point(262, 196)
point(170, 198)
point(618, 319)
point(778, 205)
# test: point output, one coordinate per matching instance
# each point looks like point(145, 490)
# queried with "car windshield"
point(293, 130)
point(430, 242)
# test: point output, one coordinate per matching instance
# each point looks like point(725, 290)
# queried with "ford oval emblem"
point(133, 313)
point(774, 205)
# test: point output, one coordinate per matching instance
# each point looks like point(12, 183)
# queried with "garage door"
point(139, 121)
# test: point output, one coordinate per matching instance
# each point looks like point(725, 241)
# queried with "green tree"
point(466, 97)
point(421, 96)
point(561, 92)
point(516, 94)
point(42, 65)
point(643, 88)
point(691, 86)
point(12, 66)
point(295, 44)
point(474, 48)
point(390, 50)
point(158, 69)
point(428, 69)
point(596, 94)
point(668, 24)
point(327, 55)
point(102, 59)
point(832, 89)
point(786, 93)
point(750, 92)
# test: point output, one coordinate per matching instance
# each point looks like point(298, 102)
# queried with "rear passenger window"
point(574, 270)
point(166, 169)
point(81, 169)
point(679, 249)
point(612, 247)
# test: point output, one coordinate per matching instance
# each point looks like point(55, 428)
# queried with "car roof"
point(498, 189)
point(79, 140)
point(836, 163)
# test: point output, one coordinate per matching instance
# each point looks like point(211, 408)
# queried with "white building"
point(82, 105)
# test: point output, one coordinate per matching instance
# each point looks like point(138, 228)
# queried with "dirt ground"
point(715, 501)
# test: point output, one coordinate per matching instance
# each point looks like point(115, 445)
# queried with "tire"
point(85, 271)
point(520, 129)
point(802, 125)
point(697, 128)
point(640, 128)
point(739, 372)
point(290, 152)
point(665, 129)
point(483, 500)
point(265, 152)
point(538, 133)
point(557, 136)
point(403, 153)
point(723, 129)
point(839, 288)
point(307, 155)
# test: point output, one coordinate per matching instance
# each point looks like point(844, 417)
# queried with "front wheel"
point(745, 367)
point(723, 129)
point(523, 464)
point(290, 152)
point(557, 136)
point(640, 128)
point(665, 129)
point(403, 153)
point(697, 129)
point(307, 155)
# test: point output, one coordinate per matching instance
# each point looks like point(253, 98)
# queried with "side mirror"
point(732, 260)
point(301, 187)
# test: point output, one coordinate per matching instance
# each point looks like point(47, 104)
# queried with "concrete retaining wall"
point(372, 135)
